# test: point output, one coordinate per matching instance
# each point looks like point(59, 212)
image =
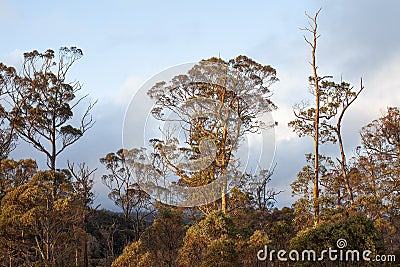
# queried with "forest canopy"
point(185, 200)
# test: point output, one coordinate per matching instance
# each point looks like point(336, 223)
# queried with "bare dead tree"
point(313, 25)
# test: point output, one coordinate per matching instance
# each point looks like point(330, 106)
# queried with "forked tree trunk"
point(345, 175)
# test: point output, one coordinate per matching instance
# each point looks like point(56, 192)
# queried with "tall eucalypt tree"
point(214, 105)
point(324, 120)
point(40, 101)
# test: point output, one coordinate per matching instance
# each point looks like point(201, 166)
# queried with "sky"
point(125, 43)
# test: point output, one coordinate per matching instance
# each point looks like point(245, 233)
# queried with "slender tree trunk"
point(53, 144)
point(316, 125)
point(53, 163)
point(85, 244)
point(225, 159)
point(345, 175)
point(316, 167)
point(76, 257)
point(47, 243)
point(85, 251)
point(53, 155)
point(313, 44)
point(224, 203)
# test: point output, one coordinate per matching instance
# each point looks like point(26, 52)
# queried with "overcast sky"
point(127, 42)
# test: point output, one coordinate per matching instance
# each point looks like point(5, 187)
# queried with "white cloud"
point(124, 94)
point(13, 58)
point(383, 88)
point(283, 116)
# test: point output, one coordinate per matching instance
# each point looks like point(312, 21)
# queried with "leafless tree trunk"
point(313, 44)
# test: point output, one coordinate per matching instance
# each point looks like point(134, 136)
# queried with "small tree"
point(249, 248)
point(37, 221)
point(15, 173)
point(354, 232)
point(165, 236)
point(376, 172)
point(124, 167)
point(379, 158)
point(303, 188)
point(212, 236)
point(382, 136)
point(84, 196)
point(134, 255)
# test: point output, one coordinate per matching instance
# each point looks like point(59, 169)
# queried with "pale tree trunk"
point(316, 120)
point(224, 203)
point(76, 257)
point(338, 130)
point(316, 165)
point(53, 144)
point(345, 175)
